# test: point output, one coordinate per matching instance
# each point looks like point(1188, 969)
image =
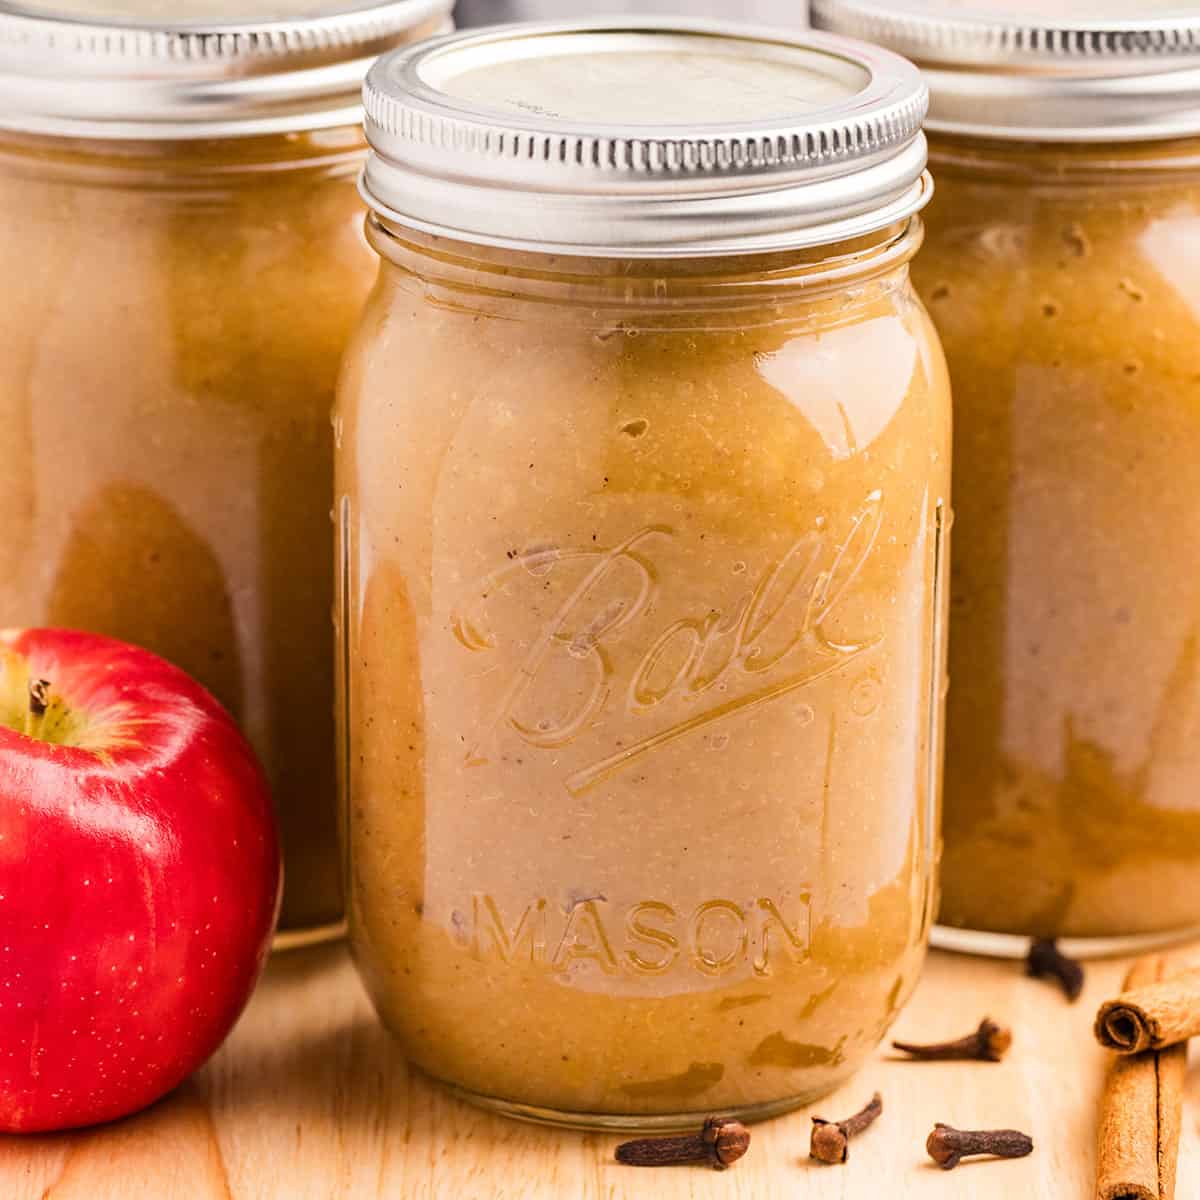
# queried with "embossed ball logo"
point(723, 660)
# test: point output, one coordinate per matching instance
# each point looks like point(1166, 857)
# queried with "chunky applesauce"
point(173, 316)
point(1065, 282)
point(641, 650)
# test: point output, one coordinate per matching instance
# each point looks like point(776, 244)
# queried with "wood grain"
point(309, 1100)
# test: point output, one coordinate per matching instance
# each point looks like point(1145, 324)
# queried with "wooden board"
point(310, 1101)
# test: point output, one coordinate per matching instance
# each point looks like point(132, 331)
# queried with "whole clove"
point(1046, 961)
point(830, 1139)
point(948, 1146)
point(719, 1144)
point(989, 1043)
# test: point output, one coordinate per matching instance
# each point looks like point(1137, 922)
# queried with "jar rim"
point(703, 283)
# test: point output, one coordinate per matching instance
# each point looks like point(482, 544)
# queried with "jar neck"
point(823, 275)
point(1083, 162)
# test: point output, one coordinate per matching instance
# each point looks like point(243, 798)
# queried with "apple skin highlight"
point(139, 879)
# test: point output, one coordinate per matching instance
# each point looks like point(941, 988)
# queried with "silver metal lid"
point(1054, 70)
point(645, 138)
point(139, 69)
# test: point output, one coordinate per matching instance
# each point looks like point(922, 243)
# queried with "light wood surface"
point(310, 1101)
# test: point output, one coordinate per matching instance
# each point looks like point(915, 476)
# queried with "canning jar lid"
point(653, 137)
point(1042, 70)
point(138, 69)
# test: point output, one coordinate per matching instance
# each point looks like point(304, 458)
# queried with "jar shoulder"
point(826, 378)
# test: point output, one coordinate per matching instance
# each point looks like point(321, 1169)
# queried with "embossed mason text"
point(651, 937)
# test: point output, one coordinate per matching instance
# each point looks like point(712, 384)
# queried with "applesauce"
point(180, 283)
point(1065, 283)
point(641, 550)
point(1063, 272)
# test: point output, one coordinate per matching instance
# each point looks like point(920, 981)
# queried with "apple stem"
point(39, 701)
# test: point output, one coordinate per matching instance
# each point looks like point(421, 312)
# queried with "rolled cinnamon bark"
point(1142, 1112)
point(1152, 1016)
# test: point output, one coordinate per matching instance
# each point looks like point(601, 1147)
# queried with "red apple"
point(139, 878)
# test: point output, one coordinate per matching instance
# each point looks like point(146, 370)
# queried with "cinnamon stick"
point(1141, 1113)
point(1152, 1016)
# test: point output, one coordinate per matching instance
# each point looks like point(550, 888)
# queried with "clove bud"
point(948, 1146)
point(1046, 960)
point(830, 1139)
point(720, 1144)
point(989, 1043)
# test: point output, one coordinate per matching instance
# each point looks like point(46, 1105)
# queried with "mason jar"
point(642, 487)
point(181, 262)
point(1063, 272)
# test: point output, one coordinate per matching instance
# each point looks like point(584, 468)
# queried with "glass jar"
point(182, 265)
point(641, 544)
point(1063, 272)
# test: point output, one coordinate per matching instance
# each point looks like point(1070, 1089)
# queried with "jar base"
point(589, 1122)
point(300, 939)
point(1014, 945)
